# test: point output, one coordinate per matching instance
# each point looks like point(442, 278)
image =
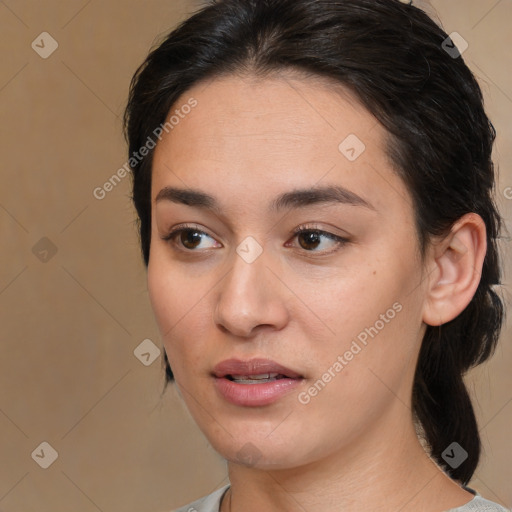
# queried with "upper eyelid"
point(300, 229)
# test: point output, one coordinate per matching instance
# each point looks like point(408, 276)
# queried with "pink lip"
point(253, 395)
point(252, 367)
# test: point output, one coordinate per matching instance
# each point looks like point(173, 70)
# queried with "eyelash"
point(340, 241)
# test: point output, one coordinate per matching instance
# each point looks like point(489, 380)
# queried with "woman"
point(313, 181)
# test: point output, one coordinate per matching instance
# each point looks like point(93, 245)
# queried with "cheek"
point(172, 292)
point(161, 295)
point(166, 301)
point(372, 317)
point(361, 374)
point(349, 301)
point(179, 303)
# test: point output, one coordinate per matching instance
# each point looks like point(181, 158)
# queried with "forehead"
point(255, 134)
point(240, 110)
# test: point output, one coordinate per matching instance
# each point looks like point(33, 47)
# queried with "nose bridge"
point(247, 297)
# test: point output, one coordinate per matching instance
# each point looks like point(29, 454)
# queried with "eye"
point(190, 236)
point(310, 238)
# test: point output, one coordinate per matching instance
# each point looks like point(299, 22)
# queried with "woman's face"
point(344, 315)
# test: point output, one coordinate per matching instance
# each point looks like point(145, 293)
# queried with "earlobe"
point(457, 260)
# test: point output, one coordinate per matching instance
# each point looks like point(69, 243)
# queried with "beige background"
point(70, 325)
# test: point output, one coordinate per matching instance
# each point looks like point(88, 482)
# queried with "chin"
point(260, 451)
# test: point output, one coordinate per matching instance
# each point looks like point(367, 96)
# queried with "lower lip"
point(253, 395)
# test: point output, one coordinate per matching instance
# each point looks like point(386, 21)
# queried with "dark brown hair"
point(407, 73)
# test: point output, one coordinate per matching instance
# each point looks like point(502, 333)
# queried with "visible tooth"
point(254, 377)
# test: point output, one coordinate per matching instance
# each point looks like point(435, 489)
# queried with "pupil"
point(187, 236)
point(312, 237)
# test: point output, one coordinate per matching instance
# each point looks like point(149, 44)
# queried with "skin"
point(353, 447)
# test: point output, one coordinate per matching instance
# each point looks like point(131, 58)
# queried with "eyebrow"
point(298, 198)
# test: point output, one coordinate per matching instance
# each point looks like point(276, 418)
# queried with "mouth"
point(253, 371)
point(253, 383)
point(256, 379)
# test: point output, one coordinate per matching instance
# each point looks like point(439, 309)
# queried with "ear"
point(455, 264)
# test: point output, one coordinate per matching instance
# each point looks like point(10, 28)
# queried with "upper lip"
point(256, 366)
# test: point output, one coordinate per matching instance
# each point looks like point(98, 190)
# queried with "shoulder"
point(208, 503)
point(211, 503)
point(479, 504)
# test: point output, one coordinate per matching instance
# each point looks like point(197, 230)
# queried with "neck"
point(387, 469)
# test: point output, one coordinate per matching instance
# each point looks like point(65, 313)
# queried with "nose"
point(250, 296)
